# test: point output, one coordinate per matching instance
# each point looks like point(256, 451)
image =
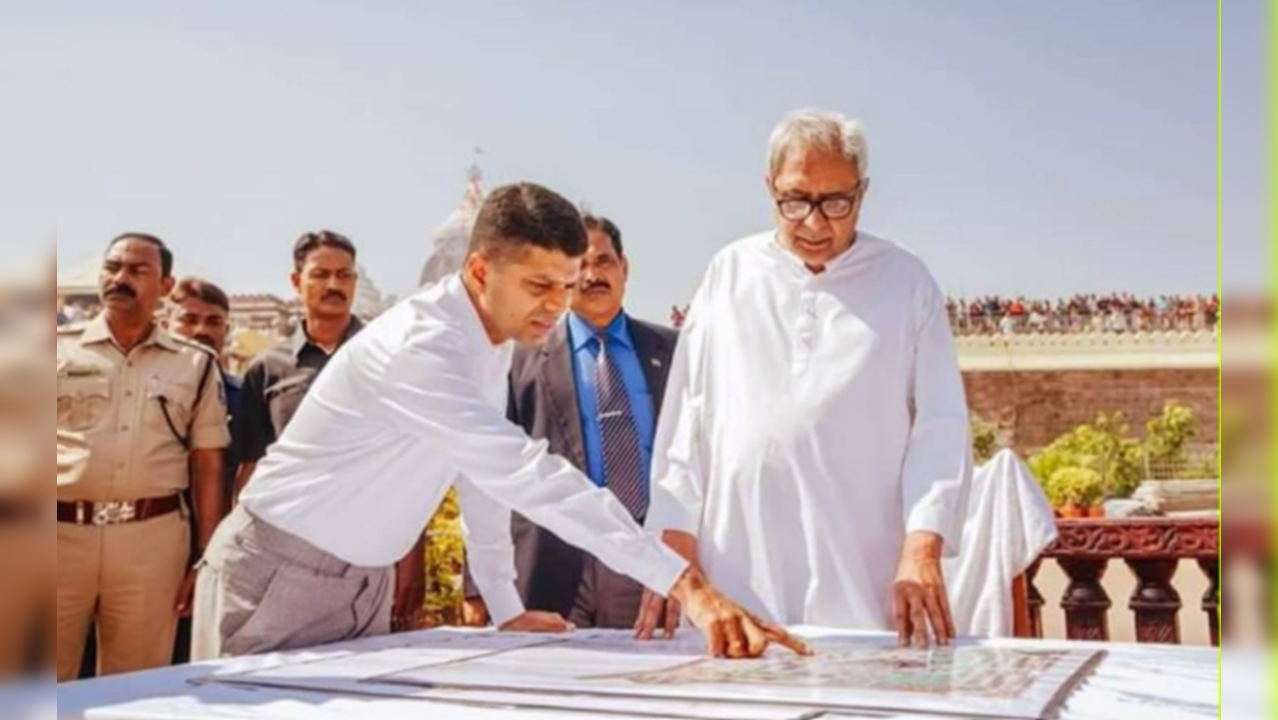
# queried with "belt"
point(117, 512)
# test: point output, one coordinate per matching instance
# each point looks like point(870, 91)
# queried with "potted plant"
point(1109, 458)
point(1075, 492)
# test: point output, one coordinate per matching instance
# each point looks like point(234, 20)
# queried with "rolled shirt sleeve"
point(427, 395)
point(938, 462)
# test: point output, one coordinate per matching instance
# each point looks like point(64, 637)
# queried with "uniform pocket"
point(83, 403)
point(175, 399)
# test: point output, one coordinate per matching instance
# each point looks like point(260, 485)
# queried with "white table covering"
point(1132, 681)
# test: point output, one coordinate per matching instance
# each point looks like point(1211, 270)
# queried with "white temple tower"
point(450, 239)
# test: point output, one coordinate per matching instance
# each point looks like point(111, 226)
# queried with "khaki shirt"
point(113, 440)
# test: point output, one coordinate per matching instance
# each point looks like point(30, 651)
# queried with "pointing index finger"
point(785, 639)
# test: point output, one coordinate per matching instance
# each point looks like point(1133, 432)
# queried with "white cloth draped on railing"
point(1009, 523)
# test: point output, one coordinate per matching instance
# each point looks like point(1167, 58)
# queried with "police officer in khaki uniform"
point(141, 417)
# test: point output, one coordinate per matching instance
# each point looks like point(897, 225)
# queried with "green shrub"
point(1122, 462)
point(445, 558)
point(1167, 438)
point(1104, 447)
point(1078, 486)
point(984, 440)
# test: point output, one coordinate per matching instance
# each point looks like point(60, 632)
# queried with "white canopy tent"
point(79, 280)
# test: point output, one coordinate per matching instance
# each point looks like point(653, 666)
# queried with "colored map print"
point(994, 673)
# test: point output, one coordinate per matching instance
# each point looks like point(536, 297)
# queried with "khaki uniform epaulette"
point(194, 345)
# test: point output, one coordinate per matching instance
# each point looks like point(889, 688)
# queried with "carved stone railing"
point(1153, 548)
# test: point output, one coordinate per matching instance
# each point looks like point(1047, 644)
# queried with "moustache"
point(334, 295)
point(121, 291)
point(597, 285)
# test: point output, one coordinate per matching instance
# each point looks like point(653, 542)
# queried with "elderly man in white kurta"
point(813, 453)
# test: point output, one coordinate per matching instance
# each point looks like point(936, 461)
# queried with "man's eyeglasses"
point(833, 207)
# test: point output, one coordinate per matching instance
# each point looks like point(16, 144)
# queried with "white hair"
point(811, 128)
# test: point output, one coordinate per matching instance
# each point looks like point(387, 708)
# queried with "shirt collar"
point(582, 332)
point(462, 307)
point(842, 259)
point(98, 331)
point(301, 340)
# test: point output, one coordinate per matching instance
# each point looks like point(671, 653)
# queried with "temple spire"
point(450, 239)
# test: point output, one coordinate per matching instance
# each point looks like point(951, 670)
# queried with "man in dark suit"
point(594, 392)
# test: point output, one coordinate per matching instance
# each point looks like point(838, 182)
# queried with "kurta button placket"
point(806, 326)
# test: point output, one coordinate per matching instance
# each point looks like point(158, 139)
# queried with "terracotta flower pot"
point(1096, 511)
point(1072, 512)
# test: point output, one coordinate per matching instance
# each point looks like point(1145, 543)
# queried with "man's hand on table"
point(919, 597)
point(534, 621)
point(657, 612)
point(475, 613)
point(730, 630)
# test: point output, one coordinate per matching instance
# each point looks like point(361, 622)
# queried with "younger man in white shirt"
point(412, 405)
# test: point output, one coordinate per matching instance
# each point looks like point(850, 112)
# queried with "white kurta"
point(811, 421)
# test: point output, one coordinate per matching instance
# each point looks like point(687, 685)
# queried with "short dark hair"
point(607, 227)
point(166, 255)
point(525, 213)
point(202, 290)
point(312, 241)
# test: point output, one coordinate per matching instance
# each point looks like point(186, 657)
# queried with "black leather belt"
point(119, 512)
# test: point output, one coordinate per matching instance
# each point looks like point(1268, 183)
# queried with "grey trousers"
point(263, 590)
point(605, 599)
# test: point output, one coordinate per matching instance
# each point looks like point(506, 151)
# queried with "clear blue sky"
point(1017, 146)
point(1247, 244)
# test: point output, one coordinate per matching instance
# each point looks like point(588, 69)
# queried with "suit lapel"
point(654, 357)
point(561, 393)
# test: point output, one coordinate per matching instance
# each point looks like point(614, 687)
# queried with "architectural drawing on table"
point(997, 673)
point(847, 674)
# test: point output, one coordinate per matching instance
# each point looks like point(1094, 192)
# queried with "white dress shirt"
point(810, 421)
point(413, 404)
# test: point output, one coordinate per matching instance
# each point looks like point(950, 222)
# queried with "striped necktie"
point(621, 452)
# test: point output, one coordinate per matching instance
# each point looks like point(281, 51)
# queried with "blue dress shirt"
point(585, 356)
